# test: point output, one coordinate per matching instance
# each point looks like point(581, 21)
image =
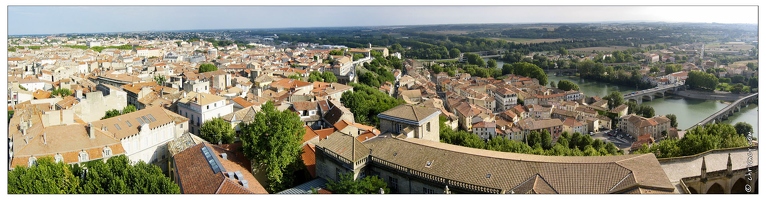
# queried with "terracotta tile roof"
point(196, 175)
point(505, 171)
point(342, 124)
point(410, 112)
point(304, 105)
point(340, 143)
point(309, 159)
point(136, 87)
point(241, 101)
point(324, 133)
point(310, 134)
point(288, 83)
point(67, 140)
point(129, 125)
point(41, 94)
point(200, 98)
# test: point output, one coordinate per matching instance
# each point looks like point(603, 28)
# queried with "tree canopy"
point(273, 140)
point(492, 63)
point(697, 140)
point(115, 176)
point(367, 102)
point(743, 128)
point(673, 120)
point(701, 80)
point(216, 131)
point(61, 92)
point(539, 143)
point(207, 67)
point(567, 85)
point(530, 70)
point(366, 185)
point(114, 112)
point(615, 99)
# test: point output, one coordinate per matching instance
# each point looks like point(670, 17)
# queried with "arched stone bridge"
point(651, 93)
point(729, 110)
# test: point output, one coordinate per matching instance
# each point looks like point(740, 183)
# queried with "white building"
point(505, 98)
point(144, 133)
point(201, 107)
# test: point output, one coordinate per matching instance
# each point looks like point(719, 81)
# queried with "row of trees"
point(621, 75)
point(539, 143)
point(701, 80)
point(114, 112)
point(366, 185)
point(326, 76)
point(697, 140)
point(115, 176)
point(61, 92)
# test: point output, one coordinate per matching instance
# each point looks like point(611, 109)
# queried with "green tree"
point(128, 109)
point(46, 177)
point(492, 63)
point(743, 128)
point(530, 70)
point(294, 77)
point(654, 69)
point(207, 67)
point(366, 185)
point(673, 120)
point(454, 53)
point(273, 140)
point(474, 59)
point(329, 77)
point(118, 176)
point(367, 102)
point(553, 84)
point(563, 51)
point(507, 68)
point(111, 113)
point(160, 79)
point(615, 99)
point(217, 130)
point(567, 85)
point(62, 92)
point(701, 80)
point(315, 76)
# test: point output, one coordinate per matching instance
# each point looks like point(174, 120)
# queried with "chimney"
point(45, 138)
point(91, 131)
point(224, 156)
point(244, 183)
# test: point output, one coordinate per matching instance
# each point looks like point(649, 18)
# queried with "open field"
point(527, 40)
point(449, 32)
point(728, 47)
point(601, 49)
point(743, 63)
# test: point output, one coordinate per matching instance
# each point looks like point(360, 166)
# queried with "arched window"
point(107, 151)
point(83, 156)
point(32, 161)
point(58, 157)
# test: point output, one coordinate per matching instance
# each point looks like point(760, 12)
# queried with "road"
point(622, 143)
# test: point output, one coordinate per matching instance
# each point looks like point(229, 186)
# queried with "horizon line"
point(305, 27)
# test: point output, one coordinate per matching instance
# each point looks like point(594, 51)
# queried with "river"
point(687, 111)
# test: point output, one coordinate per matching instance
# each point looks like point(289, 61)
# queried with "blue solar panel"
point(215, 165)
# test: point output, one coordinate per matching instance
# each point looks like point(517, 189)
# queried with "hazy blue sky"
point(90, 19)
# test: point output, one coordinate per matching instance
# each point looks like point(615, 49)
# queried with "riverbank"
point(716, 95)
